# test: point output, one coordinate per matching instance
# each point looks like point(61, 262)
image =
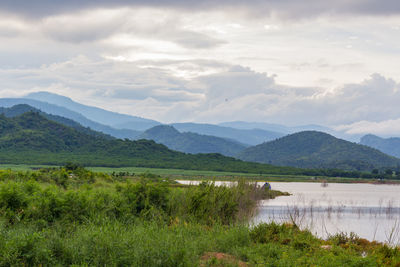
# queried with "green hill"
point(312, 149)
point(70, 114)
point(390, 146)
point(32, 139)
point(20, 109)
point(191, 142)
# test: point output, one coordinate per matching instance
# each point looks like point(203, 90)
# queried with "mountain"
point(390, 146)
point(67, 113)
point(191, 142)
point(291, 129)
point(249, 137)
point(113, 119)
point(32, 139)
point(20, 109)
point(312, 149)
point(244, 125)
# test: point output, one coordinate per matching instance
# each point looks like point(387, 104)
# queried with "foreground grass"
point(143, 243)
point(72, 216)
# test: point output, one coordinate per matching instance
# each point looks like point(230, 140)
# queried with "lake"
point(371, 211)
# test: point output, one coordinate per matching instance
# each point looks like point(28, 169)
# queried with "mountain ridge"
point(193, 143)
point(30, 138)
point(390, 146)
point(313, 149)
point(69, 114)
point(244, 136)
point(99, 115)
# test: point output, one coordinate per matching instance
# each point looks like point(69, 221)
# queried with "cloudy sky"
point(335, 63)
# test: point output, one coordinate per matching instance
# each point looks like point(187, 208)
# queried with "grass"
point(75, 217)
point(207, 175)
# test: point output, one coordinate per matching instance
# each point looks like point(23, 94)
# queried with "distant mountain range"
point(20, 109)
point(390, 146)
point(127, 126)
point(244, 136)
point(113, 119)
point(191, 142)
point(28, 135)
point(312, 149)
point(256, 142)
point(31, 138)
point(67, 113)
point(285, 130)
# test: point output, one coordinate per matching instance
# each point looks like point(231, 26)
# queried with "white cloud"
point(187, 63)
point(387, 128)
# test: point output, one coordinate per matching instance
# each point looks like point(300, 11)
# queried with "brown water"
point(370, 211)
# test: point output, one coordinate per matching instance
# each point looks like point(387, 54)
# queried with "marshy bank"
point(71, 216)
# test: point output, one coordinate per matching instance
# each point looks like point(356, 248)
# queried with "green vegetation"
point(179, 174)
point(33, 139)
point(72, 216)
point(192, 142)
point(311, 149)
point(18, 110)
point(62, 115)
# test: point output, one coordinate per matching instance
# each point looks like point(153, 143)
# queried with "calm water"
point(370, 211)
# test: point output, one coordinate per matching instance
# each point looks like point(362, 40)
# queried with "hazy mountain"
point(32, 139)
point(244, 125)
point(191, 142)
point(20, 109)
point(67, 113)
point(390, 146)
point(250, 137)
point(116, 120)
point(291, 129)
point(312, 149)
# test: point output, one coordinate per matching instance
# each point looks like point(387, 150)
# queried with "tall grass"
point(65, 217)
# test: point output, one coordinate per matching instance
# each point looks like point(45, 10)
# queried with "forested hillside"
point(312, 149)
point(69, 114)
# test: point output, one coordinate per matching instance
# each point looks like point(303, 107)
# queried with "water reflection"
point(371, 211)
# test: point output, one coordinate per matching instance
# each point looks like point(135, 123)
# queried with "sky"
point(333, 63)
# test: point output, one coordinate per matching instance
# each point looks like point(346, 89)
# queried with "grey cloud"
point(196, 40)
point(104, 78)
point(93, 26)
point(75, 33)
point(286, 8)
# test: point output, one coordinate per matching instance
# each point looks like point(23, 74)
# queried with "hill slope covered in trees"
point(20, 109)
point(312, 149)
point(69, 114)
